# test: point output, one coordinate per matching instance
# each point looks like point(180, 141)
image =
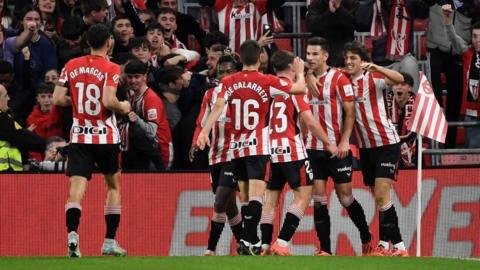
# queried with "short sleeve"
point(379, 80)
point(113, 76)
point(345, 89)
point(300, 104)
point(278, 86)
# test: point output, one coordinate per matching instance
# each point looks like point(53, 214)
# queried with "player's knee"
point(346, 200)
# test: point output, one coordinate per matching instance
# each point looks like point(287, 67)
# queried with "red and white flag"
point(398, 38)
point(428, 118)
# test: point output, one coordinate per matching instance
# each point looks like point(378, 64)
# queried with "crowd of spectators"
point(38, 37)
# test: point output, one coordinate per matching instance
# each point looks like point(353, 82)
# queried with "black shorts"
point(323, 166)
point(252, 167)
point(380, 162)
point(297, 173)
point(221, 174)
point(82, 159)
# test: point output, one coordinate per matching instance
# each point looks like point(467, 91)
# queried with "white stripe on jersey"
point(102, 138)
point(374, 117)
point(88, 137)
point(74, 136)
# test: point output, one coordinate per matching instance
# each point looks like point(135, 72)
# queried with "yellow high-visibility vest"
point(10, 157)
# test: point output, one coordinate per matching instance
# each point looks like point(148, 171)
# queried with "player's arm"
point(348, 122)
point(204, 113)
point(60, 97)
point(391, 76)
point(111, 102)
point(299, 87)
point(203, 138)
point(307, 120)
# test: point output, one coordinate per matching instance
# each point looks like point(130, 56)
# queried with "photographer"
point(56, 152)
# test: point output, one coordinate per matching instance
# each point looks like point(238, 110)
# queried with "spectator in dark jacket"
point(333, 20)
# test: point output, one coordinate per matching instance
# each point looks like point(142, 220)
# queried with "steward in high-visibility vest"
point(14, 139)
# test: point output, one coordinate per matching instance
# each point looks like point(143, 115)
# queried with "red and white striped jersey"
point(249, 95)
point(373, 126)
point(286, 142)
point(87, 78)
point(240, 23)
point(335, 88)
point(150, 108)
point(220, 138)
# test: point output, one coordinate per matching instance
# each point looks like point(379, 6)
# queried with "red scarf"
point(398, 37)
point(377, 28)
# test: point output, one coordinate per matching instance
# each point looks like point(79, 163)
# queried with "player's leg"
point(300, 181)
point(319, 164)
point(388, 216)
point(79, 169)
point(256, 167)
point(218, 219)
point(342, 176)
point(73, 211)
point(243, 197)
point(107, 160)
point(275, 186)
point(234, 217)
point(112, 212)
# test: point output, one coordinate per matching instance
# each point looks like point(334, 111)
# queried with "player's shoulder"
point(75, 62)
point(377, 75)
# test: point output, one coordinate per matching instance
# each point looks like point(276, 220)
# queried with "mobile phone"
point(267, 28)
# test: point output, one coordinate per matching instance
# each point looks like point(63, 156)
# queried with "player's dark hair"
point(169, 74)
point(167, 10)
point(139, 42)
point(136, 67)
point(250, 52)
point(87, 6)
point(98, 35)
point(45, 88)
point(318, 41)
point(357, 48)
point(281, 60)
point(215, 37)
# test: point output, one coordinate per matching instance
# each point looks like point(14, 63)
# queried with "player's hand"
point(332, 148)
point(447, 12)
point(298, 65)
point(191, 153)
point(312, 84)
point(125, 107)
point(370, 67)
point(343, 150)
point(203, 141)
point(133, 117)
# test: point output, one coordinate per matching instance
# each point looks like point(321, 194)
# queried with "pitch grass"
point(233, 263)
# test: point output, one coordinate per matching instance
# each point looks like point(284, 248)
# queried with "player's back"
point(87, 78)
point(285, 137)
point(249, 94)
